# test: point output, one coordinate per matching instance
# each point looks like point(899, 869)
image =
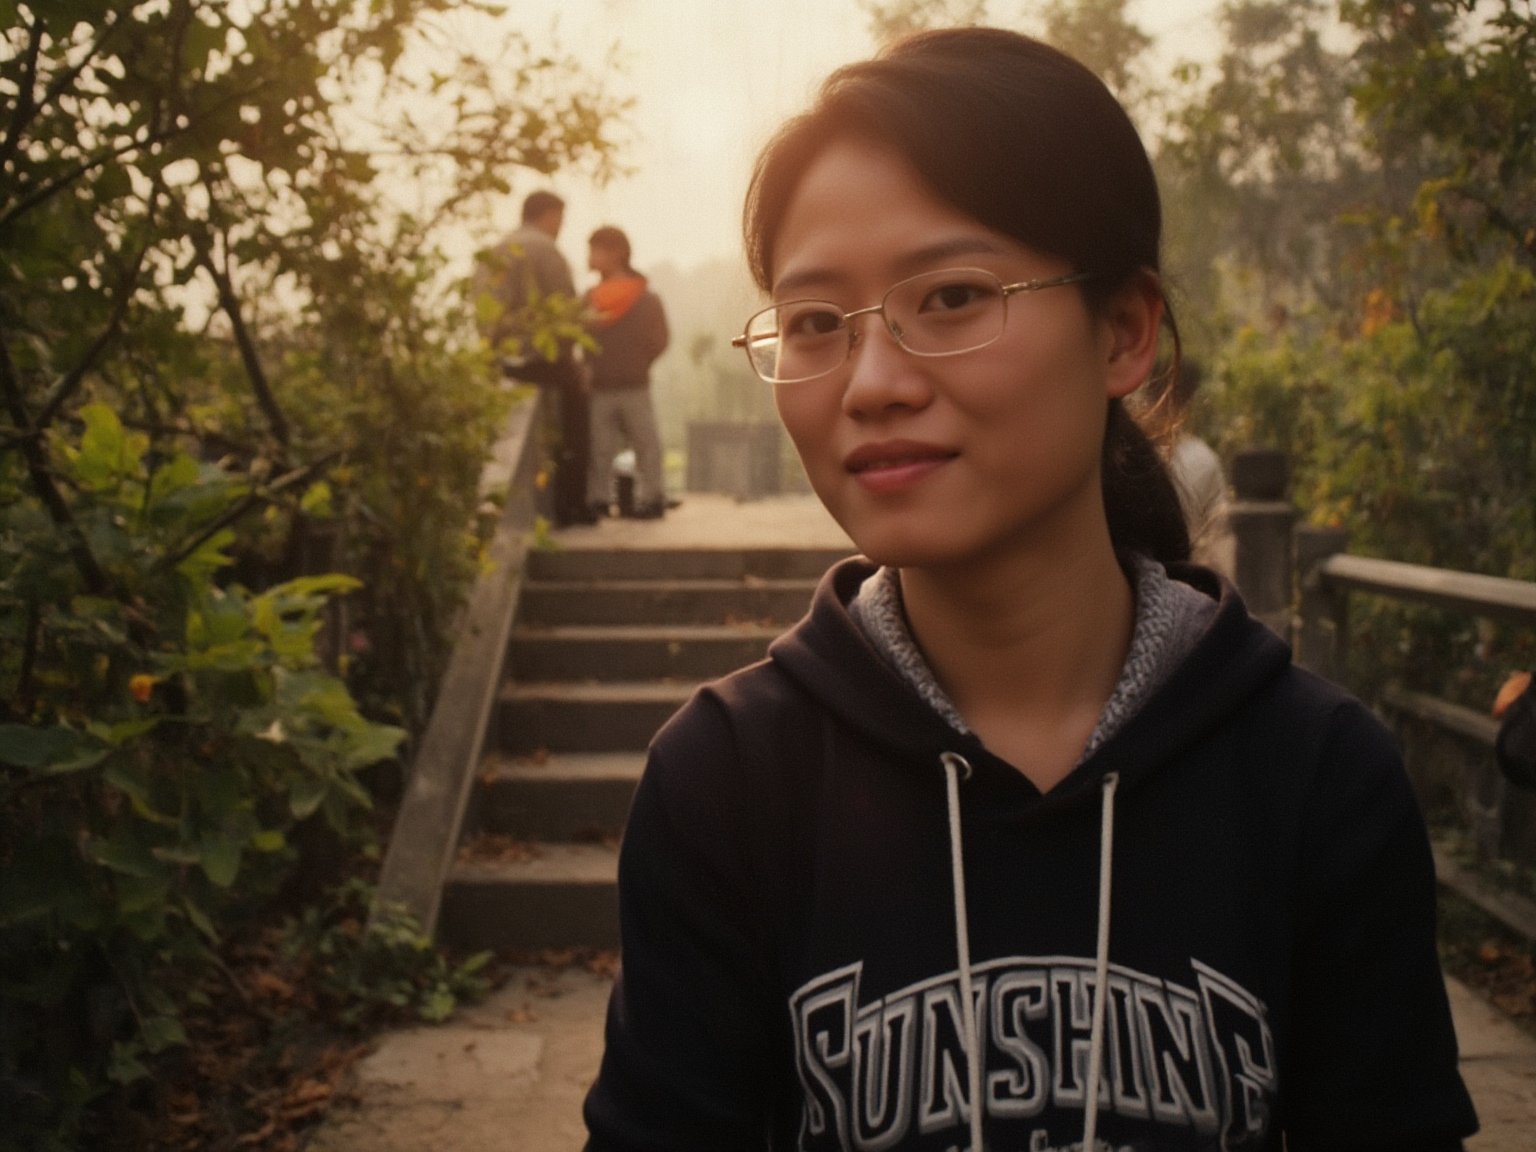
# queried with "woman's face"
point(604, 260)
point(934, 461)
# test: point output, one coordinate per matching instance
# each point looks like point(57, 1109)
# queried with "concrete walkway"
point(509, 1075)
point(708, 520)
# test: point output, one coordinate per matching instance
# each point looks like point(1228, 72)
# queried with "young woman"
point(1028, 836)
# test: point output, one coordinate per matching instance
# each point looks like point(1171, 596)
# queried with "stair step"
point(589, 716)
point(559, 896)
point(607, 645)
point(634, 651)
point(763, 602)
point(683, 563)
point(571, 797)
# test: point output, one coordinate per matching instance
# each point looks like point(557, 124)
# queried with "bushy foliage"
point(375, 965)
point(172, 735)
point(243, 412)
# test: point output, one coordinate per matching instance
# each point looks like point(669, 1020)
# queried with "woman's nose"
point(881, 374)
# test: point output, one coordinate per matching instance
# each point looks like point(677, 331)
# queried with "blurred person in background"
point(629, 325)
point(1200, 479)
point(529, 280)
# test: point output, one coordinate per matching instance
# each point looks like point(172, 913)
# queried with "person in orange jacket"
point(630, 327)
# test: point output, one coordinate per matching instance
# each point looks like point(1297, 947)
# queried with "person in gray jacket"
point(628, 323)
point(525, 276)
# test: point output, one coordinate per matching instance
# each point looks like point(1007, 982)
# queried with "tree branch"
point(49, 188)
point(234, 513)
point(71, 380)
point(31, 641)
point(66, 78)
point(229, 304)
point(25, 104)
point(36, 458)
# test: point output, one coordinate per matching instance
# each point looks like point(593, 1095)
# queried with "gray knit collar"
point(1170, 616)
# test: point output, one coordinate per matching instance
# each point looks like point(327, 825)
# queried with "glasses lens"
point(797, 341)
point(941, 313)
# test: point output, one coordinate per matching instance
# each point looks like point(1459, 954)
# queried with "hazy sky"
point(712, 79)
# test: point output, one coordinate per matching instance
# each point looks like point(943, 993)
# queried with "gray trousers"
point(623, 418)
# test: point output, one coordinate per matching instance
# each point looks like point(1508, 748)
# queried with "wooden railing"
point(1326, 583)
point(1300, 581)
point(1449, 746)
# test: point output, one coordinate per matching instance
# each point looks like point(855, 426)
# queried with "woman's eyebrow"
point(915, 260)
point(959, 246)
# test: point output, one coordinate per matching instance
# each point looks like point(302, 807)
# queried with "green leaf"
point(119, 734)
point(233, 656)
point(173, 476)
point(140, 792)
point(326, 584)
point(220, 858)
point(178, 854)
point(268, 840)
point(49, 751)
point(124, 855)
point(107, 453)
point(208, 557)
point(157, 1033)
point(319, 695)
point(305, 795)
point(316, 501)
point(372, 744)
point(221, 619)
point(142, 903)
point(200, 921)
point(123, 1067)
point(437, 1005)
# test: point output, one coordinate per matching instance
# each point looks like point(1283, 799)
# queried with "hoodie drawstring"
point(1100, 960)
point(954, 766)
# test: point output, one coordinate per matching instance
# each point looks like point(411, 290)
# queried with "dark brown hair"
point(1030, 143)
point(538, 203)
point(614, 240)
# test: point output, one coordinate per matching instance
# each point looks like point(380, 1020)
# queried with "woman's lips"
point(895, 465)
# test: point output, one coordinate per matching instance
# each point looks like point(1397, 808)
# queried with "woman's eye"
point(807, 323)
point(948, 297)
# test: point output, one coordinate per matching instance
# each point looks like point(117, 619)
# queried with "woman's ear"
point(1132, 319)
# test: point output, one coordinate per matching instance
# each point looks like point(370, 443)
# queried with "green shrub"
point(373, 964)
point(167, 737)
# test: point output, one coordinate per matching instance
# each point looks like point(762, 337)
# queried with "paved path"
point(707, 520)
point(509, 1075)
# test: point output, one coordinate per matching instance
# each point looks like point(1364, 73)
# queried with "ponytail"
point(1140, 500)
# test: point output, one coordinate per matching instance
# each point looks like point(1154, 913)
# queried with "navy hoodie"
point(788, 906)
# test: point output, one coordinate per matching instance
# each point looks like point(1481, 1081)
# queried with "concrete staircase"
point(606, 645)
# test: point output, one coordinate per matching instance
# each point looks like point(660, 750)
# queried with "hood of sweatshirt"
point(829, 655)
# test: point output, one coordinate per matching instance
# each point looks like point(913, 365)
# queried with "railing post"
point(1261, 519)
point(1322, 616)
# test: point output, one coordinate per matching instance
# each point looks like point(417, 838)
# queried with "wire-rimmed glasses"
point(941, 313)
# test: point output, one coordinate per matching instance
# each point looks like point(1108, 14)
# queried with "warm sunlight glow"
point(710, 85)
